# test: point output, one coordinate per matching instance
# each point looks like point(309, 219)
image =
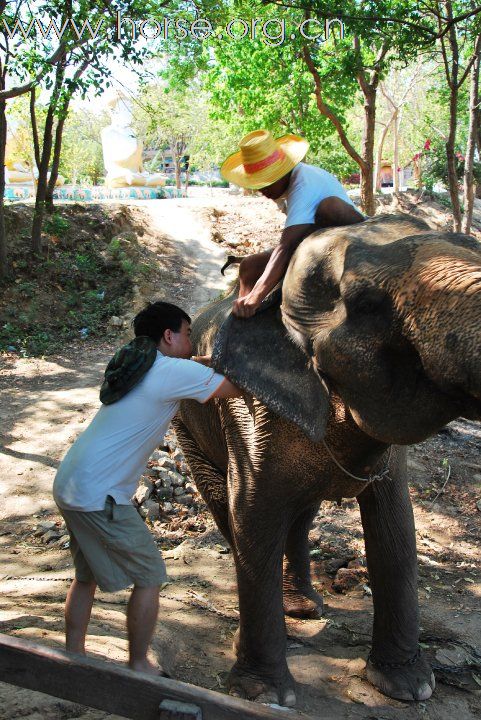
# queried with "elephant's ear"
point(259, 357)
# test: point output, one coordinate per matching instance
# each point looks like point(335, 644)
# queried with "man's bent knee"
point(334, 212)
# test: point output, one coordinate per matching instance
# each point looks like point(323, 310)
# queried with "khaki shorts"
point(113, 547)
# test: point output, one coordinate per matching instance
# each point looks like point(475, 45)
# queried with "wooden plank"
point(118, 690)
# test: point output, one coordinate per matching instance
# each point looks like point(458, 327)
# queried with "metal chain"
point(371, 478)
point(395, 666)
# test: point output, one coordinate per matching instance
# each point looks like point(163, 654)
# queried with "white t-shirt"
point(307, 187)
point(111, 454)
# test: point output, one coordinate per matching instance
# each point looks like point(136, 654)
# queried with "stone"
point(163, 493)
point(178, 455)
point(348, 578)
point(166, 463)
point(169, 477)
point(49, 536)
point(189, 488)
point(156, 455)
point(185, 499)
point(357, 563)
point(177, 479)
point(151, 472)
point(168, 507)
point(333, 565)
point(178, 491)
point(453, 656)
point(478, 505)
point(115, 321)
point(143, 492)
point(153, 510)
point(42, 527)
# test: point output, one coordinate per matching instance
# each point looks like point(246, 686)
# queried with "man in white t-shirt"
point(311, 197)
point(110, 544)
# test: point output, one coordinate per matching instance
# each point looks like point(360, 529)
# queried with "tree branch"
point(325, 110)
point(339, 15)
point(33, 122)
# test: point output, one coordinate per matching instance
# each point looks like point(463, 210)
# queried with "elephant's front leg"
point(300, 598)
point(395, 665)
point(258, 538)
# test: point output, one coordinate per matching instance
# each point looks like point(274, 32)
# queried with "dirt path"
point(46, 402)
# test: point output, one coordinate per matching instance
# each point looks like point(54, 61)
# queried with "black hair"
point(156, 318)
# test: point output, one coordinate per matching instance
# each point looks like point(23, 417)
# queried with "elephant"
point(369, 345)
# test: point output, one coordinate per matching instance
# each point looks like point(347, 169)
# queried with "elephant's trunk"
point(439, 302)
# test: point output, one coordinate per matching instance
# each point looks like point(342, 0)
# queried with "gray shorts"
point(113, 547)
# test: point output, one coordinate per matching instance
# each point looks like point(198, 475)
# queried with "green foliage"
point(82, 160)
point(435, 165)
point(70, 292)
point(114, 247)
point(56, 224)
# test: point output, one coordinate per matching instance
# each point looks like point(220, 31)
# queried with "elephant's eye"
point(365, 301)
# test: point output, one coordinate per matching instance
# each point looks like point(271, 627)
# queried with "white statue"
point(18, 170)
point(122, 150)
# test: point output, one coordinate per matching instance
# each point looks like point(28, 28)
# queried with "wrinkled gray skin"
point(384, 328)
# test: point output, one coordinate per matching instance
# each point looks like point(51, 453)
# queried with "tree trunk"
point(42, 184)
point(451, 158)
point(395, 174)
point(380, 148)
point(44, 162)
point(55, 163)
point(3, 239)
point(33, 122)
point(452, 80)
point(178, 183)
point(471, 144)
point(367, 171)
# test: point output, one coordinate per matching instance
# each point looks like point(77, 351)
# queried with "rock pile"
point(51, 533)
point(167, 482)
point(166, 497)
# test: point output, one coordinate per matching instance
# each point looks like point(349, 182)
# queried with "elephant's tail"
point(231, 260)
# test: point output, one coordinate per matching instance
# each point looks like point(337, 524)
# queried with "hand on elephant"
point(246, 306)
point(202, 359)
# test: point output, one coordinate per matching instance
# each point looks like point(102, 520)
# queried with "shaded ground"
point(46, 402)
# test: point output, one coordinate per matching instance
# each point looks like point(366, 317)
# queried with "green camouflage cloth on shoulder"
point(127, 367)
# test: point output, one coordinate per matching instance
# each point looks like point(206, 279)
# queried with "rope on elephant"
point(371, 478)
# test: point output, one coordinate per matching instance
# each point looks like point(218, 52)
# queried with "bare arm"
point(275, 269)
point(226, 389)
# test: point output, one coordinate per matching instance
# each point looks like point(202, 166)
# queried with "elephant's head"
point(390, 314)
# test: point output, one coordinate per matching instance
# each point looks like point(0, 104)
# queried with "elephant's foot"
point(246, 684)
point(301, 600)
point(413, 680)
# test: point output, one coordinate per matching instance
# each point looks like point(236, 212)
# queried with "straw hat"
point(263, 160)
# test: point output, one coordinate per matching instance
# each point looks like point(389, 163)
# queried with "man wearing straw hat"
point(312, 197)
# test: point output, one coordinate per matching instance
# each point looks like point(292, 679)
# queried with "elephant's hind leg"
point(395, 666)
point(210, 482)
point(300, 598)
